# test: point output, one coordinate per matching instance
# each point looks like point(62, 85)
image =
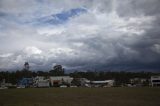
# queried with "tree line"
point(120, 77)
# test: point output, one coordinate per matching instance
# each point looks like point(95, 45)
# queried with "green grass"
point(80, 97)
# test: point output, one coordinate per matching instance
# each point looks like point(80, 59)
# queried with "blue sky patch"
point(60, 18)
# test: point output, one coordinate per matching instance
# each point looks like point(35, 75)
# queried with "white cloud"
point(32, 50)
point(51, 31)
point(156, 48)
point(6, 55)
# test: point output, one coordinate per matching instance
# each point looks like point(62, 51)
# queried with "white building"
point(104, 83)
point(3, 84)
point(84, 82)
point(155, 80)
point(59, 80)
point(138, 82)
point(40, 81)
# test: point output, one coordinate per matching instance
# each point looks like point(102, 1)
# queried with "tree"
point(57, 71)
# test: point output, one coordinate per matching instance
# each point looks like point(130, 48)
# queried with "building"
point(138, 82)
point(87, 83)
point(26, 82)
point(3, 84)
point(60, 80)
point(155, 80)
point(84, 82)
point(40, 81)
point(104, 83)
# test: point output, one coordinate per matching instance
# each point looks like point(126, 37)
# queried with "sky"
point(102, 35)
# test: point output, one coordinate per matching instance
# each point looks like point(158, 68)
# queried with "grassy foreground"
point(80, 97)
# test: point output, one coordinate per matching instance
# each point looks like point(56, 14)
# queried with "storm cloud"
point(80, 34)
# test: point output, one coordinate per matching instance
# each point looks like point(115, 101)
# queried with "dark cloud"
point(109, 35)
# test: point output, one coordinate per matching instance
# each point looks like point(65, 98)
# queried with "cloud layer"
point(80, 34)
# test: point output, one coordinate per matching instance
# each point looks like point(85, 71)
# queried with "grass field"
point(80, 97)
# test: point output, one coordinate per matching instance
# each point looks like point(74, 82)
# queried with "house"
point(40, 81)
point(155, 80)
point(60, 80)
